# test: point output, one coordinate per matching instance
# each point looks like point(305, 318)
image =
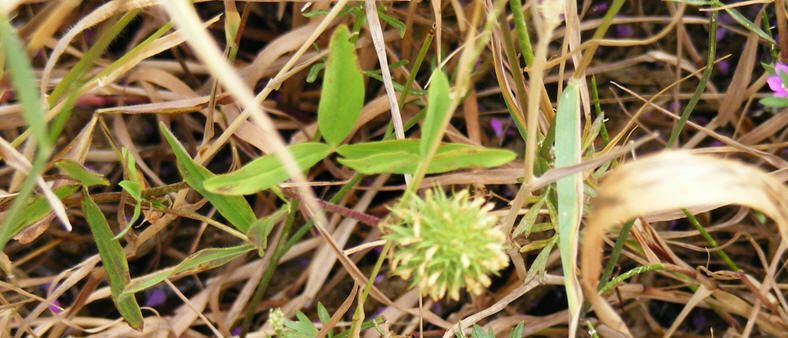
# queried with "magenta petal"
point(780, 67)
point(776, 85)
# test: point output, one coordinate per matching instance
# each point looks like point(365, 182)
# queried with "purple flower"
point(156, 297)
point(775, 83)
point(497, 126)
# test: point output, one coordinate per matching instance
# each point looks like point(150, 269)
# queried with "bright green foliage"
point(266, 171)
point(567, 152)
point(133, 187)
point(446, 243)
point(343, 89)
point(403, 156)
point(23, 81)
point(199, 261)
point(437, 108)
point(234, 209)
point(81, 174)
point(36, 210)
point(114, 260)
point(259, 229)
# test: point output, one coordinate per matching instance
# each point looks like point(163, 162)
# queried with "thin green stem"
point(611, 262)
point(674, 136)
point(624, 276)
point(522, 31)
point(282, 249)
point(710, 240)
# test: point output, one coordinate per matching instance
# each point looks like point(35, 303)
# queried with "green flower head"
point(445, 243)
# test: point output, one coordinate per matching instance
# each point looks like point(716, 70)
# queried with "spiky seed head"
point(444, 243)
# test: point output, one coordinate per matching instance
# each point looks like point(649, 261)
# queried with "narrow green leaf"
point(37, 209)
point(199, 261)
point(540, 262)
point(233, 208)
point(114, 261)
point(343, 89)
point(567, 152)
point(774, 102)
point(742, 20)
point(528, 221)
point(266, 171)
point(259, 230)
point(437, 108)
point(81, 174)
point(403, 156)
point(23, 81)
point(133, 188)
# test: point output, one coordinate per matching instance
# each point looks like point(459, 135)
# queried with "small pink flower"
point(775, 83)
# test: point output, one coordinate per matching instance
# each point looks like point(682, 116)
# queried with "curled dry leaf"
point(668, 181)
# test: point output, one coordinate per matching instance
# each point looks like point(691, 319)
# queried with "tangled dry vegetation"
point(117, 116)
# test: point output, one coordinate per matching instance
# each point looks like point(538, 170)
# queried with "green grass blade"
point(437, 108)
point(81, 174)
point(742, 20)
point(114, 261)
point(569, 193)
point(404, 156)
point(343, 89)
point(233, 208)
point(23, 81)
point(266, 171)
point(36, 210)
point(199, 261)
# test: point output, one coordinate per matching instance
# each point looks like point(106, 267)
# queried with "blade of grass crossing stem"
point(233, 208)
point(199, 261)
point(23, 81)
point(114, 261)
point(342, 96)
point(74, 79)
point(674, 135)
point(437, 107)
point(569, 192)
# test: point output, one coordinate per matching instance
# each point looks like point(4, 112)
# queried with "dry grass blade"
point(668, 181)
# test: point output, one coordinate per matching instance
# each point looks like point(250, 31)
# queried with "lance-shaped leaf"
point(266, 171)
point(114, 261)
point(342, 95)
point(199, 261)
point(403, 156)
point(81, 174)
point(569, 192)
point(437, 108)
point(233, 208)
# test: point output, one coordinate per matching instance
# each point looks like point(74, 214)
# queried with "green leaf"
point(199, 261)
point(527, 222)
point(567, 153)
point(437, 108)
point(81, 174)
point(399, 25)
point(774, 101)
point(303, 327)
point(133, 188)
point(266, 171)
point(402, 156)
point(37, 209)
point(235, 209)
point(114, 261)
point(343, 89)
point(742, 20)
point(23, 80)
point(259, 230)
